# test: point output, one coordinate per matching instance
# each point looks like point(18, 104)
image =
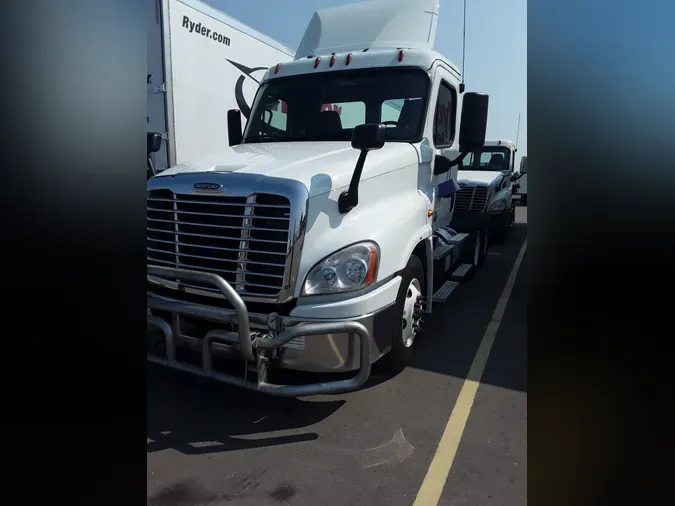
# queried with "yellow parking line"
point(430, 492)
point(336, 350)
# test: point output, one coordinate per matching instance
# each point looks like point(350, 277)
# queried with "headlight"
point(351, 268)
point(497, 206)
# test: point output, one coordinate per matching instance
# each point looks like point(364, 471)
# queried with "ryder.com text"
point(206, 32)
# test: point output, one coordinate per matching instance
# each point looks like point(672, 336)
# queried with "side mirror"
point(154, 142)
point(369, 136)
point(364, 138)
point(474, 121)
point(441, 165)
point(234, 133)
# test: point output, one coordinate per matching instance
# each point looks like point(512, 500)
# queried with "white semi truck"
point(484, 203)
point(201, 64)
point(320, 238)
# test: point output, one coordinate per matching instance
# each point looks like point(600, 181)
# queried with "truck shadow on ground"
point(454, 331)
point(196, 416)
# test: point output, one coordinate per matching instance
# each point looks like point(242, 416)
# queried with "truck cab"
point(484, 202)
point(320, 238)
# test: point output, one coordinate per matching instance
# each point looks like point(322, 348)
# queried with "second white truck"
point(485, 200)
point(320, 238)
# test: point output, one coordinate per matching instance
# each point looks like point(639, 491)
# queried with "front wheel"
point(409, 305)
point(480, 247)
point(503, 227)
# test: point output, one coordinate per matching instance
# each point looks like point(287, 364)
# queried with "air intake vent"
point(471, 198)
point(243, 239)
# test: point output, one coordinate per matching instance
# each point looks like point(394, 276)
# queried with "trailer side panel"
point(216, 65)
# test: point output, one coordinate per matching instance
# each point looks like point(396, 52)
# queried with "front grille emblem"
point(207, 186)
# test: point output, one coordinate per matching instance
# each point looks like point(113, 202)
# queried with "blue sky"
point(496, 47)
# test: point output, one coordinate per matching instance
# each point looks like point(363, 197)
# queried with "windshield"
point(327, 106)
point(495, 158)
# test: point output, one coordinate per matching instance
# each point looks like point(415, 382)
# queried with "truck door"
point(444, 110)
point(156, 113)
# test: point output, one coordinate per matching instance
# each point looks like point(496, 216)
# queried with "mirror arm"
point(151, 166)
point(454, 162)
point(451, 163)
point(349, 199)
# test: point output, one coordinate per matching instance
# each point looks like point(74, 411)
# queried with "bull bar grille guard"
point(256, 347)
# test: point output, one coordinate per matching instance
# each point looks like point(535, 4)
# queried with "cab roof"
point(355, 60)
point(374, 24)
point(391, 33)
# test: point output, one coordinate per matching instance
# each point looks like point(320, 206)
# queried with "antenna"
point(462, 85)
point(518, 132)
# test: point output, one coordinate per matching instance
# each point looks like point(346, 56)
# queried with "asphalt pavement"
point(212, 444)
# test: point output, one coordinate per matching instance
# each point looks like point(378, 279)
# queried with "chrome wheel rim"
point(410, 322)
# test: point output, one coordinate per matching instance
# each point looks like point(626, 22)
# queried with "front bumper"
point(261, 340)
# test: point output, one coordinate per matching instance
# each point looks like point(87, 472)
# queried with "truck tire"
point(503, 229)
point(403, 333)
point(480, 247)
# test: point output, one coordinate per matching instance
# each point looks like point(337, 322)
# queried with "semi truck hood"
point(485, 177)
point(320, 166)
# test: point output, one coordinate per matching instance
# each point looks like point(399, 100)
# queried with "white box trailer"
point(201, 63)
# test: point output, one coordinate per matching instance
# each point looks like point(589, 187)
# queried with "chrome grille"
point(243, 239)
point(471, 198)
